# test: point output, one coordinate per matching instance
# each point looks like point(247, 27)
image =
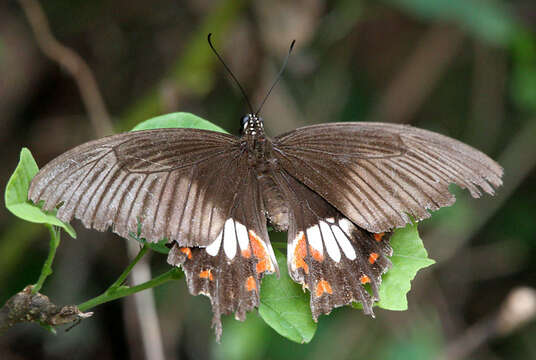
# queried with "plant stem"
point(119, 292)
point(55, 233)
point(116, 290)
point(121, 279)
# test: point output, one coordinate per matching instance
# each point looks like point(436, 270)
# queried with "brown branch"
point(27, 307)
point(73, 63)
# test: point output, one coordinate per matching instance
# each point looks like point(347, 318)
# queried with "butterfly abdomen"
point(275, 204)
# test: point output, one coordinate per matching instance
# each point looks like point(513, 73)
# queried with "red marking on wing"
point(379, 236)
point(251, 284)
point(186, 251)
point(259, 251)
point(206, 274)
point(300, 251)
point(364, 279)
point(373, 257)
point(323, 287)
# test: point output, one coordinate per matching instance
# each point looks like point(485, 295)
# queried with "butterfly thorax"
point(254, 140)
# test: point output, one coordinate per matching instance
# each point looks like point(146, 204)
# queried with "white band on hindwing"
point(331, 234)
point(235, 233)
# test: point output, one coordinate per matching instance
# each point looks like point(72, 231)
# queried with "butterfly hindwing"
point(230, 269)
point(328, 254)
point(382, 175)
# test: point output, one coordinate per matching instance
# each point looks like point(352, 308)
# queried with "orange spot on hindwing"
point(379, 236)
point(364, 279)
point(300, 251)
point(251, 284)
point(246, 253)
point(317, 255)
point(373, 257)
point(206, 274)
point(262, 266)
point(259, 251)
point(323, 287)
point(186, 251)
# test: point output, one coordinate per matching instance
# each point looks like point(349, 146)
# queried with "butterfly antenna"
point(278, 76)
point(229, 71)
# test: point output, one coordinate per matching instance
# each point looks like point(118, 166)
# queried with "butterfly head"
point(251, 124)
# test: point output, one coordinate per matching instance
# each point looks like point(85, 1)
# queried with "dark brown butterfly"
point(334, 187)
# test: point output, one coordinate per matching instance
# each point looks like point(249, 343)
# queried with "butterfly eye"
point(244, 121)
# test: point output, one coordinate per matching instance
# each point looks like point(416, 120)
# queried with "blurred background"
point(464, 68)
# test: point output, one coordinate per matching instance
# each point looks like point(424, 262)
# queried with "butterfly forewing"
point(177, 183)
point(382, 175)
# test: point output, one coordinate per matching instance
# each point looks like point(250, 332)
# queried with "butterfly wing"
point(193, 187)
point(328, 254)
point(379, 175)
point(230, 269)
point(178, 184)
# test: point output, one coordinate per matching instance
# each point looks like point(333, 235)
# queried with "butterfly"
point(338, 189)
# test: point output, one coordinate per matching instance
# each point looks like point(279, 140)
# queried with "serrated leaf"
point(178, 120)
point(285, 306)
point(16, 195)
point(409, 256)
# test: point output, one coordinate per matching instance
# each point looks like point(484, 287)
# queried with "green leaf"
point(409, 256)
point(16, 195)
point(159, 246)
point(178, 120)
point(285, 307)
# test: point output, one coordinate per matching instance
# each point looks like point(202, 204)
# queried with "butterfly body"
point(338, 189)
point(259, 150)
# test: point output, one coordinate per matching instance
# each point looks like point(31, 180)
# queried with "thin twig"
point(73, 63)
point(55, 235)
point(144, 302)
point(123, 291)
